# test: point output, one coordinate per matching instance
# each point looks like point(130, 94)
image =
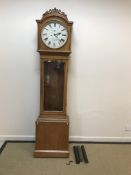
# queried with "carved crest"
point(55, 11)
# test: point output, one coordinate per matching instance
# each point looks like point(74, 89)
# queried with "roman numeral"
point(45, 39)
point(62, 40)
point(50, 25)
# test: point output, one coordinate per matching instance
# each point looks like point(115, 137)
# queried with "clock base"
point(52, 136)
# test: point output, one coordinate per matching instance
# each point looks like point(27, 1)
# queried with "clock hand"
point(56, 35)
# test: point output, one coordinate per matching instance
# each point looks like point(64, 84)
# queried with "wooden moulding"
point(51, 154)
point(54, 53)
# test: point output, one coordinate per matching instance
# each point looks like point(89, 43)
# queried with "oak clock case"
point(54, 46)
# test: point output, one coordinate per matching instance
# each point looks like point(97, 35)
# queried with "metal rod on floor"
point(80, 154)
point(84, 154)
point(76, 154)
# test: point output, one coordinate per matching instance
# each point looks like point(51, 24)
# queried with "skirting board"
point(71, 138)
point(1, 143)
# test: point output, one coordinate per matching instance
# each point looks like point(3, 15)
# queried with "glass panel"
point(53, 85)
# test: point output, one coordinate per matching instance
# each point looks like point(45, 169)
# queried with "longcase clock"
point(54, 46)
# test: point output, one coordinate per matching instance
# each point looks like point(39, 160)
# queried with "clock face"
point(54, 35)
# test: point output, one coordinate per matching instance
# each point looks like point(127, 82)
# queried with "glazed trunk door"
point(54, 84)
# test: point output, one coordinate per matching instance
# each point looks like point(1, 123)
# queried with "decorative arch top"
point(54, 12)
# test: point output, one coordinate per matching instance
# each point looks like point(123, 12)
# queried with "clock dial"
point(54, 35)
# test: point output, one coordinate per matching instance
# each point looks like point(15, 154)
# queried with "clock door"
point(53, 88)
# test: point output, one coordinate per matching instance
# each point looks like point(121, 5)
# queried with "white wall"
point(99, 86)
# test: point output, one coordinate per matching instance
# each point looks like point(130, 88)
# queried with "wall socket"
point(128, 128)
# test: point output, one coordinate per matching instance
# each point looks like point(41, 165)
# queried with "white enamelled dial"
point(54, 35)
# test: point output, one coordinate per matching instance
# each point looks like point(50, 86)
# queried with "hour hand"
point(56, 35)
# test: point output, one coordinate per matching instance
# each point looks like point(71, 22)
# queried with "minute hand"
point(57, 34)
